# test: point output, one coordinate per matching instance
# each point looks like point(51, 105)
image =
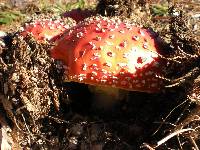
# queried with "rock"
point(2, 34)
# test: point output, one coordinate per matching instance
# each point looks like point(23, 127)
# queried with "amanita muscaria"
point(44, 29)
point(108, 52)
point(79, 14)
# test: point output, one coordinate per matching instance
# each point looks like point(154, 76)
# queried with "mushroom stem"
point(107, 97)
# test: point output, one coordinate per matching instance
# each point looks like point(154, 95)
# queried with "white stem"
point(106, 97)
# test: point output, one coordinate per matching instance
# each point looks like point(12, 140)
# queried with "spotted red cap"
point(79, 14)
point(109, 52)
point(44, 29)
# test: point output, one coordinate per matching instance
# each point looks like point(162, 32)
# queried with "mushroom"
point(44, 29)
point(110, 53)
point(79, 14)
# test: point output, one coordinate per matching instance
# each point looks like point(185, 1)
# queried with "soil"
point(45, 112)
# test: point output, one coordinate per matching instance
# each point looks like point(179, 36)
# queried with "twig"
point(169, 115)
point(179, 142)
point(58, 120)
point(30, 134)
point(145, 145)
point(194, 143)
point(165, 139)
point(184, 78)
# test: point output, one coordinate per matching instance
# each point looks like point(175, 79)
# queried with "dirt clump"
point(29, 86)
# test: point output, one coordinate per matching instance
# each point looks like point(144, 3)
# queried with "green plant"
point(6, 17)
point(159, 10)
point(60, 7)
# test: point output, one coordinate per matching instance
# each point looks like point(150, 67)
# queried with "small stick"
point(164, 120)
point(165, 139)
point(194, 143)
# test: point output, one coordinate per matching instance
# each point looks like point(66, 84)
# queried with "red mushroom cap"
point(44, 29)
point(109, 52)
point(78, 14)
